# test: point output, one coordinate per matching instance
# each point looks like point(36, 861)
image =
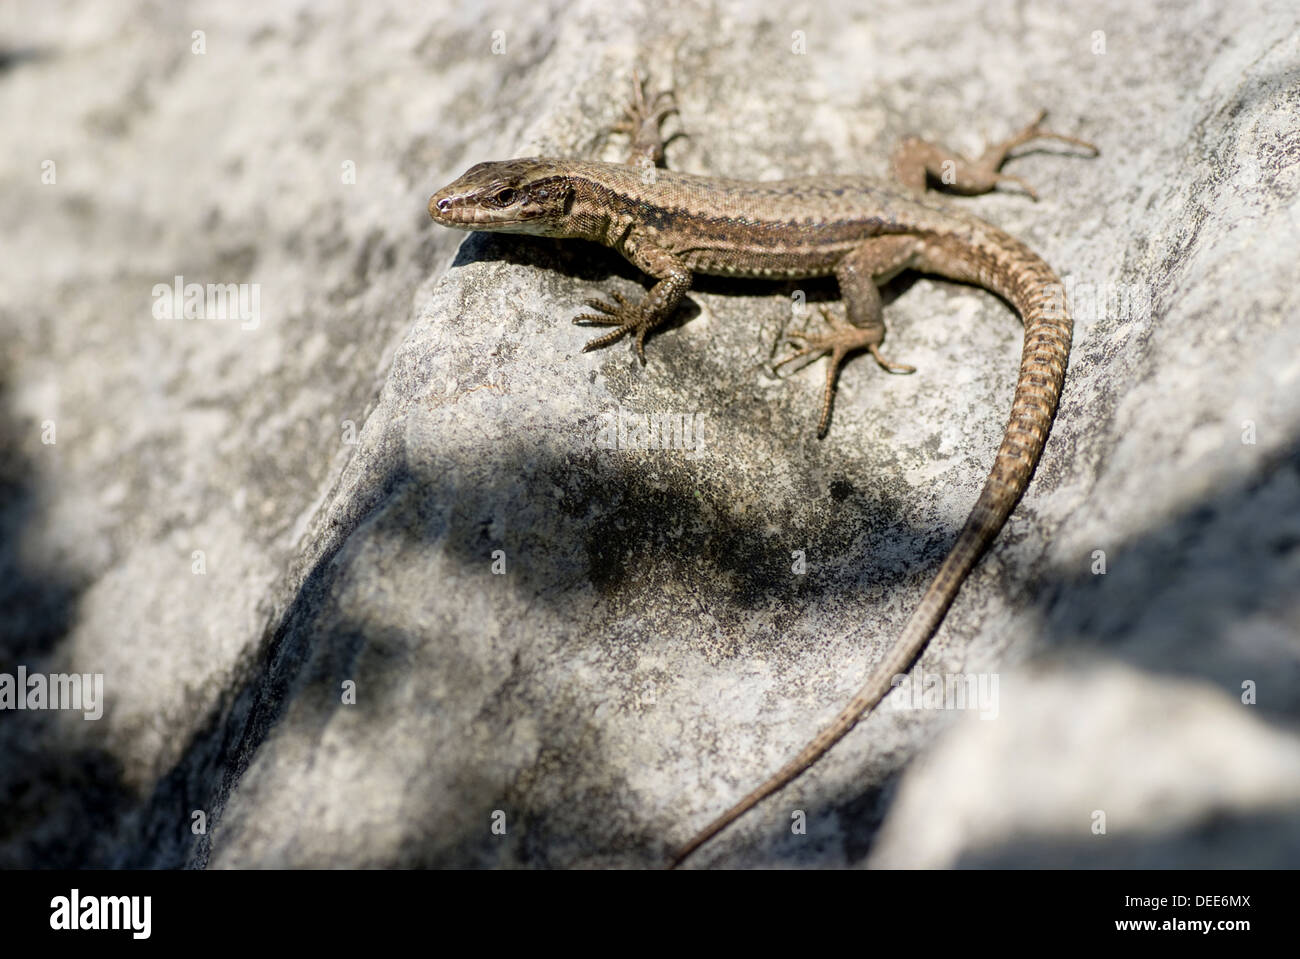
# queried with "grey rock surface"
point(393, 485)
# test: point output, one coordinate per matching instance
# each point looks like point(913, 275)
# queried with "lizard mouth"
point(444, 209)
point(455, 210)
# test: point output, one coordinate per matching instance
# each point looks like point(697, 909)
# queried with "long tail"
point(1010, 268)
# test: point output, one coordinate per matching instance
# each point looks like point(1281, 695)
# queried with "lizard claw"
point(640, 113)
point(1035, 131)
point(616, 310)
point(842, 339)
point(995, 154)
point(1008, 178)
point(618, 313)
point(802, 349)
point(642, 118)
point(625, 315)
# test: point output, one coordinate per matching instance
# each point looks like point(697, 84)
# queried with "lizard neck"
point(606, 201)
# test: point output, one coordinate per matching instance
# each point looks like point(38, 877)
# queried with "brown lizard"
point(861, 230)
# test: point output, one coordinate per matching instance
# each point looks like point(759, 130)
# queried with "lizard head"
point(507, 196)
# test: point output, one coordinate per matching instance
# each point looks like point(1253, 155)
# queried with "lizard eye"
point(504, 197)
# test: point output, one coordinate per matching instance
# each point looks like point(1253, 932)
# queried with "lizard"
point(861, 230)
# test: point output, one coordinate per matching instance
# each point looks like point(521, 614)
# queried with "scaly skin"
point(862, 231)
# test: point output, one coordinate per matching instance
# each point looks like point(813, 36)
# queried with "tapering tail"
point(1010, 268)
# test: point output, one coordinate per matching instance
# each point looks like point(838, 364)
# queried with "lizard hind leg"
point(915, 159)
point(843, 339)
point(875, 260)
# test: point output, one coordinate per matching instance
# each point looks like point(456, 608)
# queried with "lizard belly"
point(758, 252)
point(809, 252)
point(758, 264)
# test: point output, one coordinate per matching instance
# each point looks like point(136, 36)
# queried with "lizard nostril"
point(443, 204)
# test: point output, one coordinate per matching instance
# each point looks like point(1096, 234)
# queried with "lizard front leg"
point(643, 117)
point(916, 159)
point(860, 273)
point(655, 307)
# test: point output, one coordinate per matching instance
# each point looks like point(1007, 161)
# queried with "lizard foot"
point(916, 159)
point(624, 314)
point(642, 119)
point(995, 154)
point(844, 338)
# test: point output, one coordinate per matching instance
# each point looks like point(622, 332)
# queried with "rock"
point(1141, 772)
point(365, 585)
